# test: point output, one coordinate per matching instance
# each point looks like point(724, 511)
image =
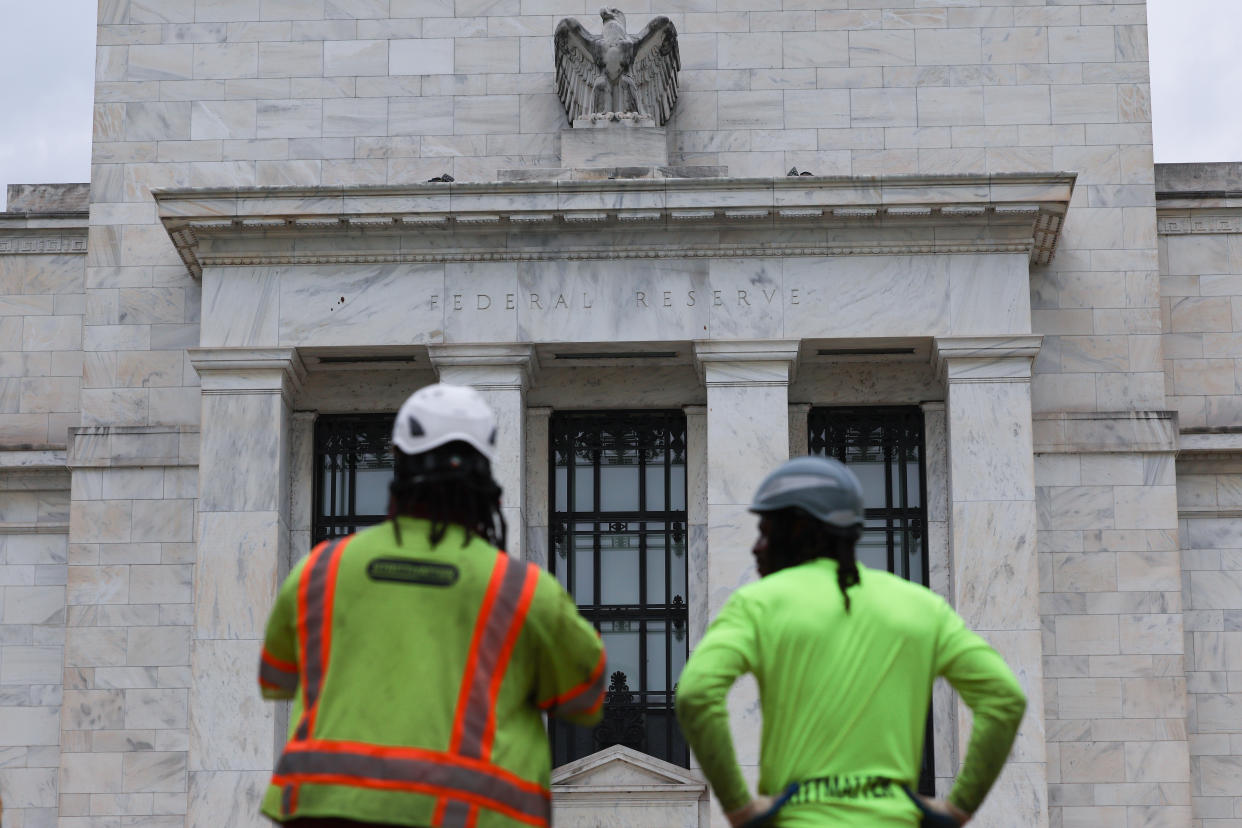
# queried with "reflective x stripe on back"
point(315, 596)
point(316, 591)
point(473, 782)
point(496, 630)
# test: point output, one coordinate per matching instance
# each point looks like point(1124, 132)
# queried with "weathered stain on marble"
point(386, 304)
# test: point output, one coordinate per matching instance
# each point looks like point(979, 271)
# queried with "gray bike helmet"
point(822, 487)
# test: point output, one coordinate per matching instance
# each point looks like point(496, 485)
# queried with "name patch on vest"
point(405, 571)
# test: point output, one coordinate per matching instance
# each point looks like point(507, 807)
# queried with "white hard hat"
point(442, 413)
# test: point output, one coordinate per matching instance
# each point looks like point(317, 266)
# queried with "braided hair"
point(451, 484)
point(794, 537)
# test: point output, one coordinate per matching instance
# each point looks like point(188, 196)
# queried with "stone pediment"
point(622, 767)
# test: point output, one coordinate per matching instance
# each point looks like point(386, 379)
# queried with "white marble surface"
point(240, 307)
point(231, 726)
point(385, 304)
point(250, 426)
point(600, 300)
point(236, 573)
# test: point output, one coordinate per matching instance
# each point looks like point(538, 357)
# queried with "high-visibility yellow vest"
point(418, 675)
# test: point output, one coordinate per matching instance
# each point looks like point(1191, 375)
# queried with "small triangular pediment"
point(620, 766)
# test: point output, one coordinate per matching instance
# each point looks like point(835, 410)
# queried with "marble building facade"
point(984, 239)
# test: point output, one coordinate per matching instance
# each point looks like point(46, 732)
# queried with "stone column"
point(502, 374)
point(747, 437)
point(696, 519)
point(799, 429)
point(536, 485)
point(992, 526)
point(242, 551)
point(940, 579)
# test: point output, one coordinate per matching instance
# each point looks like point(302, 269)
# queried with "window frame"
point(913, 520)
point(624, 716)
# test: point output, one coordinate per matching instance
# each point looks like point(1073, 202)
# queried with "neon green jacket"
point(418, 676)
point(844, 696)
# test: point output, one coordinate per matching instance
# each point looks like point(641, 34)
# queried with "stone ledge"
point(128, 446)
point(1102, 432)
point(846, 216)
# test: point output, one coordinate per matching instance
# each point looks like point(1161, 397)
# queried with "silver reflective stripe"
point(449, 779)
point(584, 701)
point(286, 800)
point(277, 677)
point(478, 702)
point(315, 592)
point(456, 814)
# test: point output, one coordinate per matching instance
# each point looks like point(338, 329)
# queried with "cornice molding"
point(500, 366)
point(249, 370)
point(1011, 213)
point(985, 358)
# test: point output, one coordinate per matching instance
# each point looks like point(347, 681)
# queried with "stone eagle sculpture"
point(614, 73)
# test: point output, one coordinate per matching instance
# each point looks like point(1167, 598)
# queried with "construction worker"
point(845, 657)
point(420, 656)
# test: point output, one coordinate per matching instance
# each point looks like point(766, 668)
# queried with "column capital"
point(249, 370)
point(489, 366)
point(985, 358)
point(747, 362)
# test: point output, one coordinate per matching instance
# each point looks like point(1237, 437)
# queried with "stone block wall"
point(34, 513)
point(1201, 307)
point(1115, 690)
point(42, 295)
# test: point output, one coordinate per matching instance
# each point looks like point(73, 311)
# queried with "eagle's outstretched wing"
point(656, 63)
point(577, 53)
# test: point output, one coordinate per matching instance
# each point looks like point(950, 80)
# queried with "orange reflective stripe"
point(275, 674)
point(499, 622)
point(481, 624)
point(515, 622)
point(315, 594)
point(583, 698)
point(470, 781)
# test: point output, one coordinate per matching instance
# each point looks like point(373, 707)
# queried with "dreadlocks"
point(451, 484)
point(794, 537)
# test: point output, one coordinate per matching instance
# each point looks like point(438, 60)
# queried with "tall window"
point(884, 447)
point(618, 534)
point(353, 464)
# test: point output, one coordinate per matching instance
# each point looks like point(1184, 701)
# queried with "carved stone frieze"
point(42, 244)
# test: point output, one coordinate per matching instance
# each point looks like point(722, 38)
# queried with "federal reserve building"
point(672, 244)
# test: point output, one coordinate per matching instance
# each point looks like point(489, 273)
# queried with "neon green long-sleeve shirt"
point(844, 696)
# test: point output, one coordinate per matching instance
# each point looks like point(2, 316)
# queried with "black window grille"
point(619, 541)
point(353, 464)
point(884, 447)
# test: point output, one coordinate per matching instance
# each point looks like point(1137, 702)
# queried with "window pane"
point(618, 483)
point(562, 477)
point(655, 565)
point(621, 644)
point(677, 487)
point(584, 568)
point(872, 477)
point(655, 487)
point(872, 550)
point(372, 491)
point(657, 650)
point(618, 577)
point(584, 485)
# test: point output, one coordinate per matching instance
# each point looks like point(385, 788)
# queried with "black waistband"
point(836, 787)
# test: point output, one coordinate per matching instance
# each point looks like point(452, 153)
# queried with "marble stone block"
point(614, 145)
point(231, 726)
